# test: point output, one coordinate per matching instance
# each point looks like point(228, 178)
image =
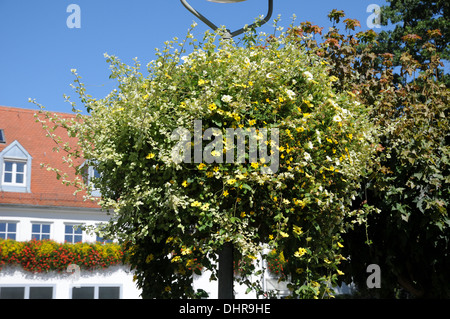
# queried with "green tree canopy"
point(314, 145)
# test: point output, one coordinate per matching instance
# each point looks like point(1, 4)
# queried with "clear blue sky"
point(37, 49)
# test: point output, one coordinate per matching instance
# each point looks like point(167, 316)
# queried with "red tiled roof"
point(20, 124)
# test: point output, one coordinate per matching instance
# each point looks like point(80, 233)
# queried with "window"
point(99, 238)
point(103, 240)
point(40, 231)
point(15, 169)
point(2, 136)
point(12, 292)
point(96, 292)
point(73, 234)
point(14, 173)
point(37, 292)
point(41, 293)
point(90, 174)
point(8, 230)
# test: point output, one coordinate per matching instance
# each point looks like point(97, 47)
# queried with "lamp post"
point(229, 34)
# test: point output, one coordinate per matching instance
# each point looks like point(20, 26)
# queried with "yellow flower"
point(175, 259)
point(212, 107)
point(251, 122)
point(201, 166)
point(146, 96)
point(283, 234)
point(340, 245)
point(327, 261)
point(298, 230)
point(150, 156)
point(255, 165)
point(270, 237)
point(167, 289)
point(300, 252)
point(340, 273)
point(196, 204)
point(231, 181)
point(225, 193)
point(299, 270)
point(185, 184)
point(149, 258)
point(333, 78)
point(190, 262)
point(186, 251)
point(201, 82)
point(205, 206)
point(243, 214)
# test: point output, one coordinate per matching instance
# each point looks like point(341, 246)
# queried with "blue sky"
point(38, 49)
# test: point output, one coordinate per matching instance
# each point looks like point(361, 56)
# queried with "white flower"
point(318, 137)
point(310, 145)
point(337, 118)
point(291, 94)
point(308, 76)
point(269, 75)
point(307, 156)
point(227, 98)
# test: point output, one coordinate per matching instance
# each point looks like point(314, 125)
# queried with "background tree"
point(409, 239)
point(415, 23)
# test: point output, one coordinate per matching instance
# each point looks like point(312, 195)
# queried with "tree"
point(416, 22)
point(164, 145)
point(409, 238)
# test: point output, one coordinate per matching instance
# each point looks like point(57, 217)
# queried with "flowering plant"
point(171, 212)
point(46, 255)
point(276, 263)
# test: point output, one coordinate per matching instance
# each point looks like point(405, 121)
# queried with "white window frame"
point(40, 229)
point(97, 288)
point(14, 173)
point(6, 230)
point(28, 286)
point(73, 233)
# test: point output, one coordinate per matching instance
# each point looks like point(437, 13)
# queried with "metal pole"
point(226, 276)
point(231, 34)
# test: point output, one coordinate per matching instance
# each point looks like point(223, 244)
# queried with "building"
point(34, 204)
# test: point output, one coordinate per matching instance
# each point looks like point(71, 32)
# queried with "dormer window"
point(90, 174)
point(15, 169)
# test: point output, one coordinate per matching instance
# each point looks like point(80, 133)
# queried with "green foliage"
point(409, 239)
point(174, 215)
